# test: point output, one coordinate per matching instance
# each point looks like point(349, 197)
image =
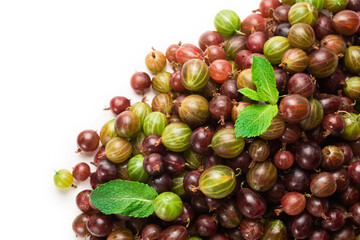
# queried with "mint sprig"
point(254, 120)
point(126, 198)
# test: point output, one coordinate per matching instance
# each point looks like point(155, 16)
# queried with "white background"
point(60, 64)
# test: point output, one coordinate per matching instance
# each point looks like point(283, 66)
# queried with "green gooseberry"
point(63, 179)
point(274, 229)
point(303, 12)
point(335, 5)
point(352, 88)
point(352, 126)
point(352, 59)
point(176, 137)
point(141, 109)
point(136, 143)
point(319, 4)
point(177, 184)
point(107, 132)
point(275, 48)
point(135, 169)
point(161, 82)
point(217, 182)
point(288, 2)
point(154, 123)
point(195, 74)
point(227, 22)
point(225, 143)
point(168, 206)
point(193, 160)
point(234, 67)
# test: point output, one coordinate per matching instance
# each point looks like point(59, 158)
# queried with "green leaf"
point(126, 198)
point(263, 77)
point(253, 95)
point(254, 120)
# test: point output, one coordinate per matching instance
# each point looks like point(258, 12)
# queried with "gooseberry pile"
point(298, 180)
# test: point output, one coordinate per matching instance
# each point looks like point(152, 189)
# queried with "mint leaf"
point(254, 120)
point(126, 198)
point(263, 77)
point(253, 95)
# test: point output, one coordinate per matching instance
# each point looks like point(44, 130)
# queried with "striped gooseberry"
point(162, 102)
point(352, 126)
point(107, 132)
point(136, 143)
point(186, 52)
point(294, 108)
point(174, 232)
point(127, 124)
point(293, 203)
point(234, 45)
point(323, 185)
point(135, 169)
point(192, 159)
point(294, 60)
point(194, 110)
point(319, 4)
point(352, 54)
point(213, 53)
point(154, 123)
point(176, 137)
point(195, 74)
point(161, 82)
point(303, 12)
point(322, 63)
point(225, 143)
point(177, 184)
point(217, 181)
point(210, 38)
point(315, 116)
point(118, 150)
point(259, 151)
point(168, 206)
point(335, 5)
point(155, 61)
point(141, 109)
point(275, 130)
point(334, 42)
point(275, 229)
point(121, 233)
point(275, 48)
point(253, 23)
point(301, 35)
point(227, 22)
